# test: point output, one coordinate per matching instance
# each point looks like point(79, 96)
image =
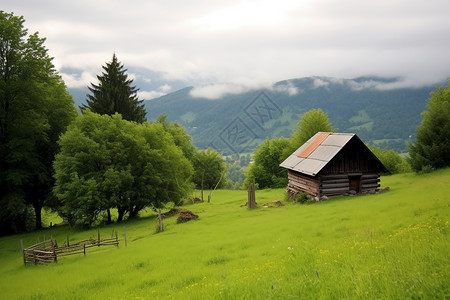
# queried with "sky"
point(233, 46)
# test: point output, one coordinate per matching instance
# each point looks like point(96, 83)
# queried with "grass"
point(387, 246)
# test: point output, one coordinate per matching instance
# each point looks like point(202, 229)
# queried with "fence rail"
point(48, 251)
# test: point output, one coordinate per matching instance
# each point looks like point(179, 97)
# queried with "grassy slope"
point(393, 246)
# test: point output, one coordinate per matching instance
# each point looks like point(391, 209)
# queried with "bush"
point(300, 197)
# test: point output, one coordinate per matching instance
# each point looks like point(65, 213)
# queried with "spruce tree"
point(114, 93)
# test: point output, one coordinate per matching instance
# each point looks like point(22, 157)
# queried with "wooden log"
point(368, 176)
point(334, 180)
point(334, 190)
point(334, 176)
point(327, 185)
point(125, 235)
point(370, 186)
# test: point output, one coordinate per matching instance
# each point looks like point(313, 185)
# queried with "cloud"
point(216, 91)
point(246, 43)
point(288, 88)
point(317, 83)
point(161, 91)
point(148, 95)
point(78, 80)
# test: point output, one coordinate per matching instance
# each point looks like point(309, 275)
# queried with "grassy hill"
point(390, 246)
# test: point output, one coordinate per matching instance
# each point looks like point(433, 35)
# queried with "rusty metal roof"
point(313, 155)
point(319, 138)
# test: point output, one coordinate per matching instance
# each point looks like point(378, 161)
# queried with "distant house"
point(331, 164)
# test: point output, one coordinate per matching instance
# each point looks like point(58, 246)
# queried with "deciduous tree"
point(311, 122)
point(432, 146)
point(35, 108)
point(267, 158)
point(209, 169)
point(120, 165)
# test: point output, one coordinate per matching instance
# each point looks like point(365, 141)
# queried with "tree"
point(35, 108)
point(311, 122)
point(391, 160)
point(432, 146)
point(209, 169)
point(107, 162)
point(115, 94)
point(181, 138)
point(267, 158)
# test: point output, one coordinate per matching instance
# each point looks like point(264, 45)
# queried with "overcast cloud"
point(239, 45)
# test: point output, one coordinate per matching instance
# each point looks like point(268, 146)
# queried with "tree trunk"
point(38, 215)
point(121, 212)
point(134, 211)
point(160, 221)
point(109, 216)
point(202, 186)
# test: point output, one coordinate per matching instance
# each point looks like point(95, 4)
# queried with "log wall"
point(333, 185)
point(330, 184)
point(298, 182)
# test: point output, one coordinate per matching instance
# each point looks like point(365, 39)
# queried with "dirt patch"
point(275, 203)
point(196, 200)
point(186, 215)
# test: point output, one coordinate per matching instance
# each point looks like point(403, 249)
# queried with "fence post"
point(68, 241)
point(125, 234)
point(84, 249)
point(251, 202)
point(54, 252)
point(23, 252)
point(117, 241)
point(161, 227)
point(98, 232)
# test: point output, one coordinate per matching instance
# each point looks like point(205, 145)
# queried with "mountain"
point(374, 108)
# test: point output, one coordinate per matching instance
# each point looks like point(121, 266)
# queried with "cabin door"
point(354, 183)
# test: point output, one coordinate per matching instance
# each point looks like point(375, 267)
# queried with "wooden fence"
point(48, 251)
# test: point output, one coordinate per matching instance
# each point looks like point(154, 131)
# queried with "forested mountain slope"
point(370, 107)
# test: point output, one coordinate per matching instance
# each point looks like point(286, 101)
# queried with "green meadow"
point(393, 245)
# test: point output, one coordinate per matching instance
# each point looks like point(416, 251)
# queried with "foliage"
point(386, 246)
point(267, 158)
point(432, 146)
point(35, 108)
point(181, 138)
point(209, 168)
point(107, 162)
point(311, 122)
point(302, 197)
point(235, 175)
point(391, 160)
point(115, 94)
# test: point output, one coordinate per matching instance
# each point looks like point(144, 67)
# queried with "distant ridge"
point(371, 107)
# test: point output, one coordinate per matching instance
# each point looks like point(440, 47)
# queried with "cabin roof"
point(318, 151)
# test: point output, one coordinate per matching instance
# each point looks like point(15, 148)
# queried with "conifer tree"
point(114, 93)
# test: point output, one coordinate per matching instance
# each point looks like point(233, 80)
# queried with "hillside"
point(370, 107)
point(390, 246)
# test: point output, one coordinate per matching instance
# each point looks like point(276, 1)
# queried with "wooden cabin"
point(331, 164)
